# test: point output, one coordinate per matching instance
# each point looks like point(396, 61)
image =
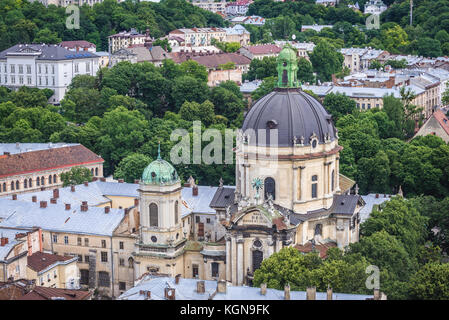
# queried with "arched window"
point(153, 215)
point(257, 259)
point(42, 181)
point(92, 171)
point(38, 182)
point(25, 183)
point(176, 212)
point(96, 171)
point(55, 178)
point(314, 186)
point(12, 185)
point(319, 229)
point(17, 185)
point(4, 186)
point(270, 188)
point(49, 179)
point(333, 180)
point(30, 182)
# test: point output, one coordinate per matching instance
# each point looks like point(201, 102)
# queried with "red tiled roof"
point(47, 159)
point(77, 43)
point(321, 248)
point(279, 222)
point(38, 261)
point(44, 293)
point(442, 120)
point(263, 49)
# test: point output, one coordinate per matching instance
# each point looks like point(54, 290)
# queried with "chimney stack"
point(67, 206)
point(42, 188)
point(107, 209)
point(287, 292)
point(177, 278)
point(194, 190)
point(102, 179)
point(84, 206)
point(56, 193)
point(86, 183)
point(3, 241)
point(329, 293)
point(136, 202)
point(72, 188)
point(169, 294)
point(263, 289)
point(14, 196)
point(43, 204)
point(121, 180)
point(148, 295)
point(53, 200)
point(94, 179)
point(221, 286)
point(311, 293)
point(200, 286)
point(136, 181)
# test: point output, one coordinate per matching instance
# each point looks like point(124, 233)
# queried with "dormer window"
point(272, 124)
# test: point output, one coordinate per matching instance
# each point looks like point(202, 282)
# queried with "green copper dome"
point(287, 68)
point(160, 172)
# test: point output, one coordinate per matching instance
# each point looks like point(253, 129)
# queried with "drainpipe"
point(112, 267)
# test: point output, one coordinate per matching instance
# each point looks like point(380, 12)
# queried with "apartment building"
point(198, 37)
point(125, 39)
point(211, 5)
point(238, 8)
point(45, 67)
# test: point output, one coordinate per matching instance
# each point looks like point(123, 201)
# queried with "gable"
point(254, 217)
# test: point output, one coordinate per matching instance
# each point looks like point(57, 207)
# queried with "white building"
point(238, 8)
point(375, 7)
point(45, 67)
point(211, 5)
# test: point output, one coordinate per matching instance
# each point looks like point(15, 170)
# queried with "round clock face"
point(154, 239)
point(314, 143)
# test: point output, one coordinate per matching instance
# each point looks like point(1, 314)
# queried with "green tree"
point(339, 105)
point(46, 36)
point(131, 167)
point(305, 71)
point(326, 61)
point(76, 175)
point(431, 282)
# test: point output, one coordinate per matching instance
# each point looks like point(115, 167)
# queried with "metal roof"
point(55, 218)
point(370, 201)
point(14, 148)
point(45, 52)
point(12, 241)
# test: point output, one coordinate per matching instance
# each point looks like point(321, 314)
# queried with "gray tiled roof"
point(186, 290)
point(46, 52)
point(55, 218)
point(223, 197)
point(12, 242)
point(199, 203)
point(370, 202)
point(14, 148)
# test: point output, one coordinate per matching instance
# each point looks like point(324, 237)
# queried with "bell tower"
point(287, 68)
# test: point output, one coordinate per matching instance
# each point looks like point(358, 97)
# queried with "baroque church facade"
point(289, 192)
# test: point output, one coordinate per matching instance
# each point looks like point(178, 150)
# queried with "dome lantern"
point(287, 68)
point(160, 172)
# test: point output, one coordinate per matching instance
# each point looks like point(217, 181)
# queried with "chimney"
point(376, 294)
point(43, 204)
point(136, 181)
point(121, 180)
point(194, 190)
point(287, 292)
point(84, 206)
point(86, 183)
point(56, 193)
point(136, 202)
point(148, 295)
point(72, 188)
point(94, 179)
point(102, 179)
point(67, 206)
point(329, 293)
point(169, 294)
point(3, 241)
point(42, 188)
point(263, 289)
point(107, 209)
point(200, 287)
point(6, 153)
point(34, 198)
point(221, 286)
point(311, 293)
point(14, 196)
point(177, 278)
point(53, 200)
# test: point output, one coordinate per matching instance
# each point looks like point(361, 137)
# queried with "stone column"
point(240, 261)
point(233, 261)
point(247, 182)
point(228, 258)
point(295, 185)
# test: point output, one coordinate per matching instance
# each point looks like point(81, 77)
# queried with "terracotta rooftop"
point(44, 293)
point(263, 49)
point(320, 248)
point(40, 160)
point(77, 43)
point(442, 120)
point(38, 261)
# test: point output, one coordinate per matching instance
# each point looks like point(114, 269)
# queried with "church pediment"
point(255, 216)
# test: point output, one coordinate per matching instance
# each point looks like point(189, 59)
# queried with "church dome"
point(296, 115)
point(160, 172)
